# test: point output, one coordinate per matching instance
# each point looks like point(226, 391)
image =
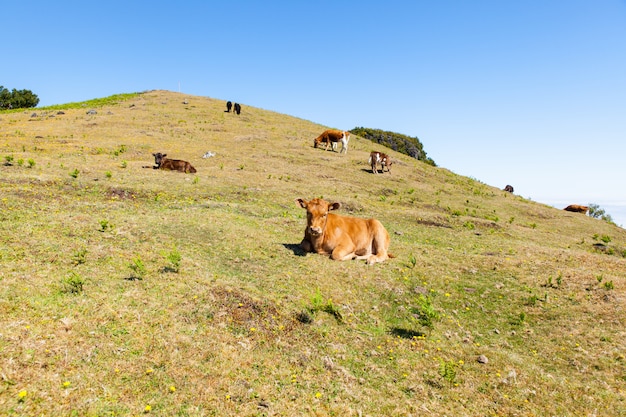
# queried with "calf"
point(379, 158)
point(577, 209)
point(342, 237)
point(331, 137)
point(172, 164)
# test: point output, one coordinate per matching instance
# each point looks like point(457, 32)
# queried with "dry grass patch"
point(126, 290)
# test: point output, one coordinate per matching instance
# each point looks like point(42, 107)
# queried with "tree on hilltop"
point(17, 99)
point(398, 142)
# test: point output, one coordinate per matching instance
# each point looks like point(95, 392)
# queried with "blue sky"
point(528, 93)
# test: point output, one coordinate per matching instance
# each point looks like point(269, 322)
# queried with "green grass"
point(124, 287)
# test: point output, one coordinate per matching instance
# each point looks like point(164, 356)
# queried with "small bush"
point(447, 370)
point(105, 225)
point(318, 304)
point(174, 258)
point(138, 268)
point(425, 312)
point(72, 284)
point(80, 257)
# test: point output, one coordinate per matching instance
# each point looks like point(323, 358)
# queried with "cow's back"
point(361, 231)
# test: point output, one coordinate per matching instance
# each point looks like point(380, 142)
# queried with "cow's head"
point(315, 143)
point(158, 158)
point(317, 214)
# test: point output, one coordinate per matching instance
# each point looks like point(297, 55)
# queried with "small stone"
point(482, 359)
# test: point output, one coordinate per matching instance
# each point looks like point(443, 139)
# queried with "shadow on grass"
point(405, 333)
point(295, 248)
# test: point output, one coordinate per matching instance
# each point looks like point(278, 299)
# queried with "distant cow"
point(229, 105)
point(172, 164)
point(508, 188)
point(237, 108)
point(341, 237)
point(379, 158)
point(577, 209)
point(331, 137)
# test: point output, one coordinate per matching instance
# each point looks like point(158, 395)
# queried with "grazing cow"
point(229, 105)
point(379, 158)
point(172, 164)
point(342, 237)
point(331, 137)
point(577, 209)
point(237, 108)
point(508, 188)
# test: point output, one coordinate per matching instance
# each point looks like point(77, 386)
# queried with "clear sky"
point(529, 93)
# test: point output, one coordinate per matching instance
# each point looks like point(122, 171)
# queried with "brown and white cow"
point(172, 164)
point(331, 137)
point(576, 208)
point(379, 158)
point(342, 237)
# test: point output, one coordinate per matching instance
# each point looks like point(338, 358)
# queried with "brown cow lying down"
point(172, 164)
point(332, 137)
point(576, 208)
point(382, 159)
point(342, 237)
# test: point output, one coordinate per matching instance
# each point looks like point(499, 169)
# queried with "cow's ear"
point(164, 155)
point(153, 154)
point(334, 206)
point(301, 203)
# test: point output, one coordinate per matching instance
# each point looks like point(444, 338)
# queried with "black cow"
point(237, 108)
point(508, 188)
point(229, 105)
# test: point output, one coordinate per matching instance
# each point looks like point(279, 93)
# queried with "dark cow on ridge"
point(237, 108)
point(172, 164)
point(508, 188)
point(229, 105)
point(379, 158)
point(331, 137)
point(342, 237)
point(577, 208)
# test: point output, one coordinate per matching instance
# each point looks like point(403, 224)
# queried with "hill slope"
point(126, 290)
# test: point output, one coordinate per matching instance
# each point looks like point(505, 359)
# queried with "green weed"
point(72, 284)
point(174, 259)
point(138, 268)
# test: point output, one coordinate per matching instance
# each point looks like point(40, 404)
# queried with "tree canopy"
point(17, 99)
point(398, 142)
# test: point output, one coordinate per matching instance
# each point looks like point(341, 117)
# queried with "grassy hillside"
point(126, 290)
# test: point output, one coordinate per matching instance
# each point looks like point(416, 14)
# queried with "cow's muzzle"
point(315, 231)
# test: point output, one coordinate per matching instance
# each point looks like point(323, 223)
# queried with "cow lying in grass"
point(576, 208)
point(161, 162)
point(342, 237)
point(332, 137)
